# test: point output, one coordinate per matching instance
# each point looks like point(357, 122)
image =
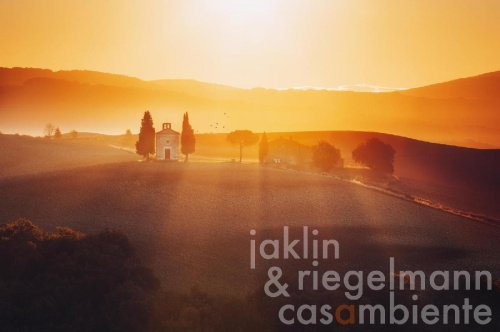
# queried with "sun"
point(244, 11)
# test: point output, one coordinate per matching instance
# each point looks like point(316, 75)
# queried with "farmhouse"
point(167, 143)
point(288, 152)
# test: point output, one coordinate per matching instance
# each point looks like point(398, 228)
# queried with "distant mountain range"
point(461, 112)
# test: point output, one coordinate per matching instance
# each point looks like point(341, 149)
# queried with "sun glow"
point(243, 11)
point(241, 23)
point(249, 43)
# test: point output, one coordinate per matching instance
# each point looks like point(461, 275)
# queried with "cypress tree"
point(188, 140)
point(146, 143)
point(263, 148)
point(57, 133)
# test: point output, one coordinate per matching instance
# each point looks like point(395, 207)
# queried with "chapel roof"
point(167, 130)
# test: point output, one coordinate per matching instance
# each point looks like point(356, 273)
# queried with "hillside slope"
point(207, 243)
point(462, 178)
point(22, 155)
point(481, 87)
point(462, 112)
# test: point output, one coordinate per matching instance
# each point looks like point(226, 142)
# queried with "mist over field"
point(461, 112)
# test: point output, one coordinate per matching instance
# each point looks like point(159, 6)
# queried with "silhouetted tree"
point(376, 155)
point(49, 130)
point(74, 134)
point(67, 281)
point(146, 143)
point(188, 140)
point(242, 138)
point(57, 133)
point(263, 148)
point(128, 138)
point(325, 156)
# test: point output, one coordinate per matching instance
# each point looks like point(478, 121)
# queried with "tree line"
point(374, 154)
point(51, 131)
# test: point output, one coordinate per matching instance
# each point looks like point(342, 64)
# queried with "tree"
point(128, 138)
point(74, 134)
point(242, 138)
point(49, 130)
point(188, 140)
point(146, 143)
point(263, 148)
point(376, 155)
point(57, 133)
point(325, 156)
point(68, 281)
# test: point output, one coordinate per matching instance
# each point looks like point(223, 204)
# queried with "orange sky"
point(281, 43)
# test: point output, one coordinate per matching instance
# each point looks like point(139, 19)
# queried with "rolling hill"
point(481, 87)
point(178, 217)
point(22, 155)
point(462, 178)
point(461, 112)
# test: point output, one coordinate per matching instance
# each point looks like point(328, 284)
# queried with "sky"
point(265, 43)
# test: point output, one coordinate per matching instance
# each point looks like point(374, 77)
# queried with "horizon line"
point(356, 87)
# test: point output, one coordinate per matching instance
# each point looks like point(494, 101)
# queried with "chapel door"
point(167, 154)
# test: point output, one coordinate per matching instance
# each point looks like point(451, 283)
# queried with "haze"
point(260, 42)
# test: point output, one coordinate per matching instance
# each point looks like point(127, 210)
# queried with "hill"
point(414, 159)
point(462, 112)
point(179, 218)
point(21, 155)
point(481, 87)
point(18, 76)
point(460, 177)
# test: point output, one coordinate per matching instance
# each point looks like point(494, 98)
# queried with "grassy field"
point(191, 222)
point(460, 178)
point(20, 155)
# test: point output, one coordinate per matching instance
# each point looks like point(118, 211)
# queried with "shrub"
point(67, 281)
point(325, 156)
point(376, 155)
